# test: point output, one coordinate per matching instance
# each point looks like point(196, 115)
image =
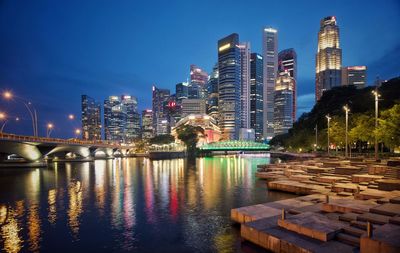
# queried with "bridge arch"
point(27, 151)
point(79, 150)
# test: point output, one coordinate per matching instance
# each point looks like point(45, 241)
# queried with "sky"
point(52, 52)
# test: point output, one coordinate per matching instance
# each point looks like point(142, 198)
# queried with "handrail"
point(14, 137)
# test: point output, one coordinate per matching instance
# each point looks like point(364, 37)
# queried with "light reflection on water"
point(129, 205)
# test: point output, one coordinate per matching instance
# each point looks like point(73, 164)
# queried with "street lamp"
point(9, 96)
point(346, 109)
point(3, 116)
point(329, 120)
point(71, 116)
point(77, 133)
point(377, 95)
point(50, 127)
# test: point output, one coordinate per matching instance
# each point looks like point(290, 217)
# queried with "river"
point(130, 205)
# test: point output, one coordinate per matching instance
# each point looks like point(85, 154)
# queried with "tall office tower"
point(244, 85)
point(132, 127)
point(256, 95)
point(198, 82)
point(91, 119)
point(354, 75)
point(147, 124)
point(193, 106)
point(160, 113)
point(181, 91)
point(328, 58)
point(270, 61)
point(287, 62)
point(229, 86)
point(212, 94)
point(114, 119)
point(283, 99)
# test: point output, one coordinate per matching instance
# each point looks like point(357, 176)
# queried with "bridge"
point(238, 146)
point(34, 149)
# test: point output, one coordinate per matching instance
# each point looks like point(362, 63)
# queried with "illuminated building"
point(91, 119)
point(283, 100)
point(132, 126)
point(147, 124)
point(256, 95)
point(354, 75)
point(181, 91)
point(193, 106)
point(244, 85)
point(212, 94)
point(287, 62)
point(229, 86)
point(114, 119)
point(212, 132)
point(270, 61)
point(160, 113)
point(198, 82)
point(328, 58)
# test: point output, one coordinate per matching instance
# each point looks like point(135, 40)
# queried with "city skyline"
point(21, 74)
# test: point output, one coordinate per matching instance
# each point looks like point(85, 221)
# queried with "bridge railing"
point(14, 137)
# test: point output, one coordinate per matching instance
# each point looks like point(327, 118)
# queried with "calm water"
point(130, 205)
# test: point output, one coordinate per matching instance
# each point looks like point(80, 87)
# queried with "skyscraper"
point(114, 119)
point(244, 85)
point(212, 94)
point(160, 113)
point(193, 106)
point(328, 58)
point(181, 91)
point(283, 99)
point(91, 119)
point(198, 82)
point(287, 62)
point(256, 95)
point(270, 58)
point(354, 75)
point(147, 124)
point(132, 126)
point(229, 86)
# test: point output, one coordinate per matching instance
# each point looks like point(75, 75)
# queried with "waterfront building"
point(91, 118)
point(132, 126)
point(287, 62)
point(193, 106)
point(212, 94)
point(283, 100)
point(270, 61)
point(198, 82)
point(147, 124)
point(244, 85)
point(160, 100)
point(114, 119)
point(181, 91)
point(256, 95)
point(229, 86)
point(212, 132)
point(328, 58)
point(354, 75)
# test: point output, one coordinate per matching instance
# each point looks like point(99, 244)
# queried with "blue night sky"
point(51, 52)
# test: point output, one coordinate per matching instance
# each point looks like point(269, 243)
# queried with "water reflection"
point(128, 204)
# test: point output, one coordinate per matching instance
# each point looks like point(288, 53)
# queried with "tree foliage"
point(162, 139)
point(190, 136)
point(389, 127)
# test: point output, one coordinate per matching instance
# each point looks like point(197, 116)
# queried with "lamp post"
point(50, 127)
point(377, 95)
point(77, 133)
point(3, 116)
point(316, 137)
point(32, 111)
point(329, 119)
point(346, 109)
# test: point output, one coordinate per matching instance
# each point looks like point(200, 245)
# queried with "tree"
point(162, 139)
point(389, 127)
point(190, 136)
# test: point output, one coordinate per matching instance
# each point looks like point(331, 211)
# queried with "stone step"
point(372, 186)
point(395, 200)
point(395, 220)
point(348, 239)
point(353, 231)
point(359, 224)
point(344, 194)
point(388, 209)
point(348, 217)
point(374, 218)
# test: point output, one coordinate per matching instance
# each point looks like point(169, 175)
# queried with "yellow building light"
point(226, 46)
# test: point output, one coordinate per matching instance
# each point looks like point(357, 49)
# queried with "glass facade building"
point(132, 126)
point(287, 62)
point(283, 100)
point(244, 85)
point(91, 118)
point(354, 75)
point(147, 124)
point(160, 100)
point(229, 86)
point(198, 82)
point(256, 95)
point(212, 94)
point(114, 119)
point(328, 58)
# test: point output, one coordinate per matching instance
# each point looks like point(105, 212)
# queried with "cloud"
point(305, 103)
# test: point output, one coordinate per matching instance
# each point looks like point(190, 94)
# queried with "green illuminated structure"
point(235, 146)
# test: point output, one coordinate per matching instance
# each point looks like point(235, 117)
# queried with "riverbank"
point(343, 199)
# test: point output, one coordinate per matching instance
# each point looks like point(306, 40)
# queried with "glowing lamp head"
point(71, 116)
point(2, 116)
point(7, 95)
point(50, 126)
point(77, 131)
